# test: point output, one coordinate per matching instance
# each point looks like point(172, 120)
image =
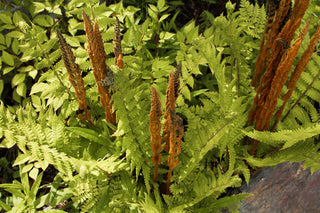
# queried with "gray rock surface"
point(286, 188)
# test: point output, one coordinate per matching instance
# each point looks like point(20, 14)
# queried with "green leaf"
point(15, 46)
point(36, 101)
point(39, 7)
point(7, 70)
point(8, 41)
point(33, 73)
point(6, 17)
point(22, 89)
point(7, 143)
point(73, 41)
point(38, 88)
point(153, 8)
point(18, 20)
point(10, 186)
point(90, 134)
point(153, 14)
point(161, 4)
point(180, 37)
point(35, 186)
point(16, 97)
point(21, 159)
point(1, 86)
point(27, 168)
point(43, 20)
point(15, 34)
point(7, 58)
point(186, 92)
point(18, 79)
point(24, 180)
point(5, 206)
point(164, 17)
point(2, 40)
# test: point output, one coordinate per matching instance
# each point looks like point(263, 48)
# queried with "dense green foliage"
point(108, 168)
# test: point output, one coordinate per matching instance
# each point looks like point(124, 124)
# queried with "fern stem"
point(168, 180)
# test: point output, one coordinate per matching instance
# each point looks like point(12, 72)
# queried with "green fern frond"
point(286, 137)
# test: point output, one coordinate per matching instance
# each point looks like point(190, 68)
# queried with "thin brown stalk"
point(75, 77)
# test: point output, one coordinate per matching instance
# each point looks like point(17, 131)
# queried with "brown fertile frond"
point(170, 103)
point(117, 45)
point(75, 77)
point(272, 65)
point(287, 33)
point(299, 9)
point(294, 22)
point(98, 58)
point(300, 67)
point(155, 129)
point(271, 34)
point(266, 109)
point(278, 66)
point(176, 134)
point(272, 9)
point(279, 80)
point(304, 60)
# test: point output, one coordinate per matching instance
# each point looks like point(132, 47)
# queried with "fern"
point(107, 166)
point(286, 137)
point(305, 97)
point(36, 140)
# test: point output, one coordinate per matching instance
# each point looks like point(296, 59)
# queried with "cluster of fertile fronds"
point(155, 129)
point(173, 126)
point(117, 45)
point(75, 77)
point(279, 63)
point(97, 57)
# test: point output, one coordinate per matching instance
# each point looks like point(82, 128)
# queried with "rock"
point(284, 188)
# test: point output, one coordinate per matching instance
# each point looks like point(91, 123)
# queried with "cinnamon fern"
point(174, 117)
